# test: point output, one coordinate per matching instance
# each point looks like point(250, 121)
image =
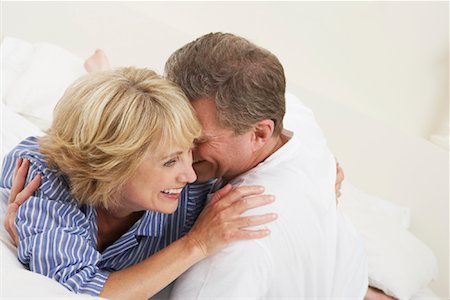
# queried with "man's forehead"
point(207, 136)
point(210, 134)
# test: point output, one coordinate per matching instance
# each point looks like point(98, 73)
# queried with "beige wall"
point(387, 60)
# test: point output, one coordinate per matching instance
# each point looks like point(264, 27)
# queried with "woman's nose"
point(188, 174)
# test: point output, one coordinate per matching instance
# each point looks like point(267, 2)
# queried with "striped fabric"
point(58, 237)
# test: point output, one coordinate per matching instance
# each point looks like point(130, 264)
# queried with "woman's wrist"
point(195, 248)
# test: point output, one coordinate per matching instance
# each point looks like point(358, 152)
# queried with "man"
point(215, 157)
point(238, 91)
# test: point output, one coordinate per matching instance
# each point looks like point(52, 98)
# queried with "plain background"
point(386, 61)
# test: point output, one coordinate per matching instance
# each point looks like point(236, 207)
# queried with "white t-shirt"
point(313, 252)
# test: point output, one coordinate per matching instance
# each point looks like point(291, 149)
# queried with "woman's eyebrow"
point(171, 155)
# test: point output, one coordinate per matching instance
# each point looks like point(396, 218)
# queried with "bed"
point(403, 254)
point(395, 192)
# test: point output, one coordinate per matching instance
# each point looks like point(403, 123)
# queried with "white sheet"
point(15, 128)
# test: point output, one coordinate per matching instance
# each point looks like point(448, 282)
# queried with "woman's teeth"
point(172, 191)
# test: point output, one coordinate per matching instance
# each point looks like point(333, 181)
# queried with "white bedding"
point(16, 281)
point(399, 263)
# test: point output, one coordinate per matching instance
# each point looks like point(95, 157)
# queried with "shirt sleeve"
point(241, 270)
point(55, 236)
point(55, 240)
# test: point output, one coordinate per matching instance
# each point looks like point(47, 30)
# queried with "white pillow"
point(15, 128)
point(355, 200)
point(38, 76)
point(399, 263)
point(16, 56)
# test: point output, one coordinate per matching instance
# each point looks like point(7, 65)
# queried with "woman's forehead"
point(166, 150)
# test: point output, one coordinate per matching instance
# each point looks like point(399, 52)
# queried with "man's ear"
point(262, 132)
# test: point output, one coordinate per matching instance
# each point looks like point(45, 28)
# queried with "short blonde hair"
point(106, 122)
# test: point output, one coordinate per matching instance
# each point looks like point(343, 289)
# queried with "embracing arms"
point(218, 224)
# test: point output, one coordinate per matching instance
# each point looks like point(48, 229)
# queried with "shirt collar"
point(150, 224)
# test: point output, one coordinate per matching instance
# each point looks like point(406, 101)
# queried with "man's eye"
point(199, 141)
point(170, 163)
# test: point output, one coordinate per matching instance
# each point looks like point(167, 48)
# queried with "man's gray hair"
point(246, 82)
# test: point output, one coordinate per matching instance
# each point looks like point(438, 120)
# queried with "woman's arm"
point(63, 228)
point(218, 225)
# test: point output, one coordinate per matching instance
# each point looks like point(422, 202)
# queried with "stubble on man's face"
point(218, 152)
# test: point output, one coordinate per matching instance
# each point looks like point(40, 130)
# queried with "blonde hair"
point(106, 122)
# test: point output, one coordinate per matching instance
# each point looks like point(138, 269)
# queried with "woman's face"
point(158, 182)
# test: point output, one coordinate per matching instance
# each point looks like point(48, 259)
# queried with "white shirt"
point(313, 252)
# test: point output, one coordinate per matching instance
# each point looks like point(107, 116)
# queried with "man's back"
point(312, 251)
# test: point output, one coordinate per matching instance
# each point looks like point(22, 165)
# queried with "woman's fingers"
point(19, 193)
point(16, 168)
point(238, 228)
point(221, 222)
point(220, 194)
point(28, 191)
point(19, 178)
point(9, 225)
point(250, 202)
point(248, 221)
point(339, 179)
point(251, 234)
point(225, 196)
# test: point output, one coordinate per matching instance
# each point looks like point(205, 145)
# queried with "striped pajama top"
point(58, 236)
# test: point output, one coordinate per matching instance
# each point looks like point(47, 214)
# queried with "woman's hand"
point(18, 195)
point(221, 222)
point(339, 179)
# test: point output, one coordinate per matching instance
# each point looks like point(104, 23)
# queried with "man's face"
point(219, 152)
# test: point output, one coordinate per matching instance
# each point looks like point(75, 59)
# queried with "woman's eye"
point(170, 163)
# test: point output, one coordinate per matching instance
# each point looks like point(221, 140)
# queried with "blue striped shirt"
point(58, 236)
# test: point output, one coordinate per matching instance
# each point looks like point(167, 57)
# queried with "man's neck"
point(272, 146)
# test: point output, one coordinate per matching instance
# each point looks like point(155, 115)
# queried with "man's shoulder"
point(295, 176)
point(275, 175)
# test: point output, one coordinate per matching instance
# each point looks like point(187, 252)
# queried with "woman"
point(113, 167)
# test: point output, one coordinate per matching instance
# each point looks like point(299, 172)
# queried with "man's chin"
point(204, 178)
point(203, 171)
